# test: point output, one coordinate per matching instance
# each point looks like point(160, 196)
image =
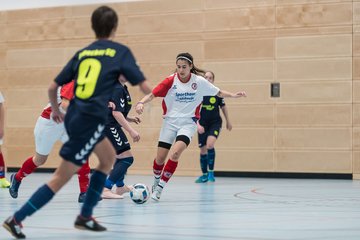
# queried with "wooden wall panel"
point(35, 58)
point(294, 2)
point(356, 138)
point(247, 161)
point(165, 23)
point(356, 91)
point(317, 92)
point(314, 162)
point(239, 49)
point(314, 138)
point(155, 7)
point(310, 46)
point(244, 18)
point(309, 15)
point(233, 4)
point(314, 115)
point(314, 69)
point(314, 46)
point(356, 166)
point(259, 71)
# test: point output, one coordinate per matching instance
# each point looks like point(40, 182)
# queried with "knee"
point(128, 161)
point(210, 145)
point(106, 164)
point(203, 150)
point(175, 155)
point(38, 161)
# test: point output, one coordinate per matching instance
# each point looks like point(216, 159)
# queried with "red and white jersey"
point(183, 99)
point(66, 91)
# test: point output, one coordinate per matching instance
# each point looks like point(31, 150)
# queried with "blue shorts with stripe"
point(84, 132)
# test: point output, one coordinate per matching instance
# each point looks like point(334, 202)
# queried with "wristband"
point(140, 103)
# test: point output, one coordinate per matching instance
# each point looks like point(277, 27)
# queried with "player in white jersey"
point(47, 132)
point(4, 183)
point(183, 93)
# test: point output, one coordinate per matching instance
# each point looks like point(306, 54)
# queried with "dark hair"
point(103, 21)
point(187, 57)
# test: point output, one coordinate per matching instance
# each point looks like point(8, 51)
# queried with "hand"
point(228, 126)
point(122, 79)
point(135, 136)
point(135, 120)
point(57, 116)
point(111, 105)
point(139, 108)
point(239, 94)
point(201, 129)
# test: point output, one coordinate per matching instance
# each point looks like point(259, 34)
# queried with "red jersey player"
point(47, 132)
point(182, 95)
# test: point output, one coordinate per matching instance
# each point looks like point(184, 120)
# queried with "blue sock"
point(211, 158)
point(109, 184)
point(93, 193)
point(120, 168)
point(41, 197)
point(204, 163)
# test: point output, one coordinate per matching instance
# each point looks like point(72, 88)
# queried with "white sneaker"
point(108, 194)
point(156, 182)
point(157, 193)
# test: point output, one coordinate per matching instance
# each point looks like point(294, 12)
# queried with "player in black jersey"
point(209, 127)
point(117, 121)
point(96, 69)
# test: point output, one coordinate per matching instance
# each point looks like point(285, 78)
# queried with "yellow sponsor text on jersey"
point(97, 52)
point(208, 107)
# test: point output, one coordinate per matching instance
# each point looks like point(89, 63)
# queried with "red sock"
point(27, 168)
point(2, 166)
point(169, 170)
point(157, 169)
point(83, 176)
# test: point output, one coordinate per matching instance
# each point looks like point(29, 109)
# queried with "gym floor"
point(230, 208)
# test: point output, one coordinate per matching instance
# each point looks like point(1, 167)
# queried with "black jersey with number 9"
point(96, 70)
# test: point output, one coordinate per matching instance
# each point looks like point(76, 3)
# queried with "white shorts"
point(47, 132)
point(1, 141)
point(173, 127)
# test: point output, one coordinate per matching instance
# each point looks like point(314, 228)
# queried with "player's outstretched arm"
point(226, 94)
point(145, 87)
point(125, 124)
point(140, 105)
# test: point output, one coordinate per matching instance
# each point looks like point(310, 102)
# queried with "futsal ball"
point(140, 193)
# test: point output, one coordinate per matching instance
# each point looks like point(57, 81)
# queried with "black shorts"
point(118, 138)
point(84, 132)
point(212, 129)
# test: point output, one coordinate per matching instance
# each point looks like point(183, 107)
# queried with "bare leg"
point(62, 175)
